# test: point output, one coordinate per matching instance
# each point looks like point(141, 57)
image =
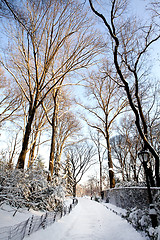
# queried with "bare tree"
point(63, 124)
point(101, 150)
point(107, 104)
point(125, 147)
point(154, 7)
point(92, 187)
point(68, 127)
point(9, 9)
point(13, 150)
point(81, 159)
point(10, 100)
point(131, 42)
point(153, 115)
point(51, 42)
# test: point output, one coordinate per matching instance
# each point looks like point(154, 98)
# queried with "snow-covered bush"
point(30, 189)
point(154, 233)
point(157, 203)
point(141, 221)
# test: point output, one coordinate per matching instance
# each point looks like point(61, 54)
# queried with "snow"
point(89, 220)
point(7, 218)
point(118, 210)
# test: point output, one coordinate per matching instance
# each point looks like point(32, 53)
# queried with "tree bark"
point(52, 150)
point(110, 163)
point(53, 138)
point(74, 189)
point(22, 156)
point(100, 172)
point(32, 151)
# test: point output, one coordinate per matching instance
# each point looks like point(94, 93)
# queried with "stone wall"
point(129, 197)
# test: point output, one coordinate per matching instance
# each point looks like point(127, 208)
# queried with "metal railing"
point(34, 223)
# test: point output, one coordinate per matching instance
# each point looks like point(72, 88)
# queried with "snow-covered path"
point(89, 220)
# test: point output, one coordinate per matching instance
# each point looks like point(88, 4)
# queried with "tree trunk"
point(31, 154)
point(74, 189)
point(57, 162)
point(53, 139)
point(100, 172)
point(110, 163)
point(135, 174)
point(10, 164)
point(52, 150)
point(22, 156)
point(100, 168)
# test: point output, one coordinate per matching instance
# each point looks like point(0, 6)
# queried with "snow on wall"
point(129, 197)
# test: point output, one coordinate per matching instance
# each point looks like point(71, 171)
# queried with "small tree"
point(101, 150)
point(81, 159)
point(68, 175)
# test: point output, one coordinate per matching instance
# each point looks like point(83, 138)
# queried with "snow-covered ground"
point(8, 216)
point(118, 210)
point(89, 220)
